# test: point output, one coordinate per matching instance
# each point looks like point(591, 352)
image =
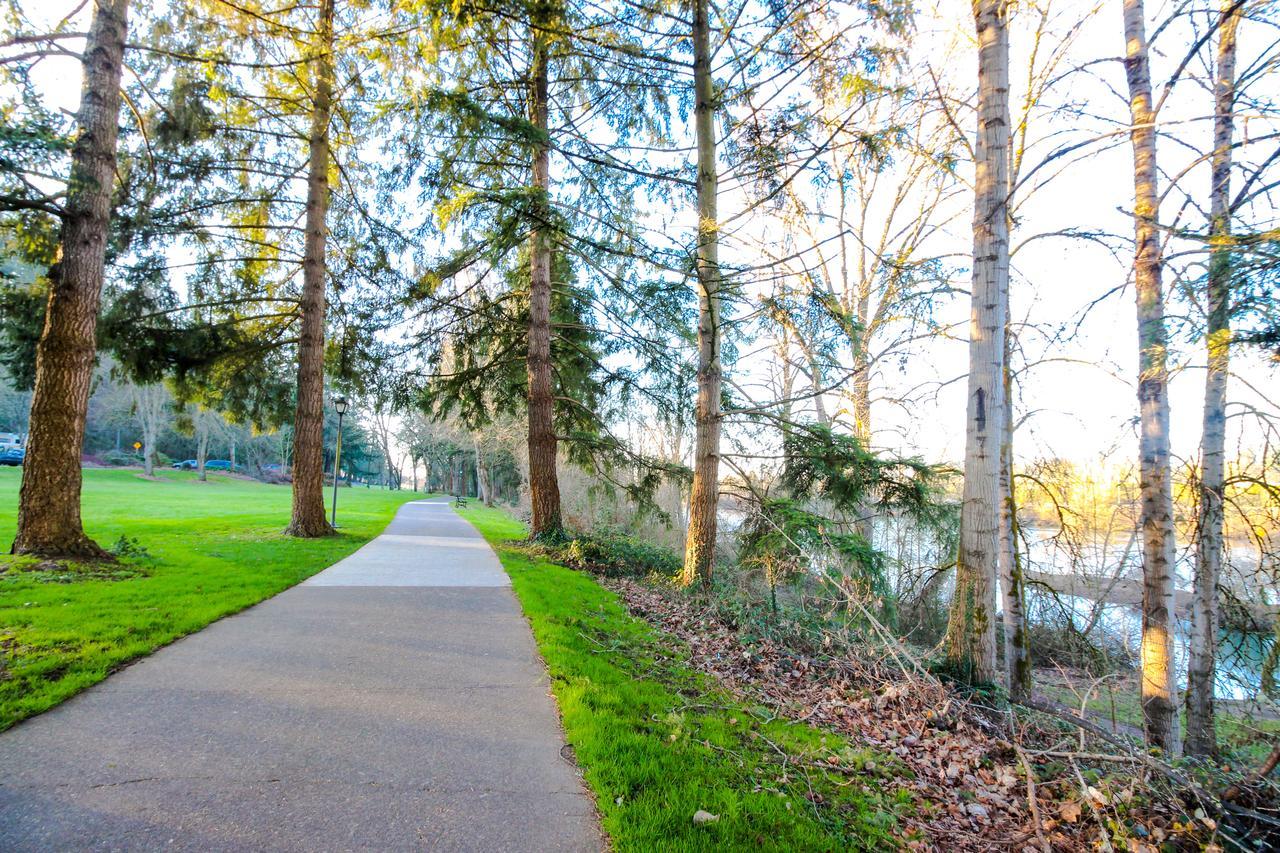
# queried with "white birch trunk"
point(1158, 709)
point(1201, 670)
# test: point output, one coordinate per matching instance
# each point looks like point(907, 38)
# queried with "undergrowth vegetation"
point(956, 763)
point(659, 742)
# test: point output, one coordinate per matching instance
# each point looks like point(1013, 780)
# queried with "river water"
point(1240, 654)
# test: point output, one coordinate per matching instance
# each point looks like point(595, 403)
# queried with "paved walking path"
point(393, 701)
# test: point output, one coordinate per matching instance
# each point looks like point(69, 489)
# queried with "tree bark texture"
point(1158, 709)
point(1017, 652)
point(1201, 669)
point(700, 541)
point(49, 521)
point(971, 630)
point(308, 518)
point(544, 481)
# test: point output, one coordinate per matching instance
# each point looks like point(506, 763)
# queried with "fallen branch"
point(1036, 822)
point(1234, 792)
point(1067, 715)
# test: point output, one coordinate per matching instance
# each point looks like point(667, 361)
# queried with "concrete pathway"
point(394, 701)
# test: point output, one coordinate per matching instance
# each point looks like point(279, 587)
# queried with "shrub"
point(615, 556)
point(131, 548)
point(119, 457)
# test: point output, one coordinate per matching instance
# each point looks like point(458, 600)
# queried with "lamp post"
point(339, 406)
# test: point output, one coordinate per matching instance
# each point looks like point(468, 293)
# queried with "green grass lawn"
point(198, 551)
point(657, 741)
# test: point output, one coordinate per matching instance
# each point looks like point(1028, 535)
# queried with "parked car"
point(187, 465)
point(12, 456)
point(218, 465)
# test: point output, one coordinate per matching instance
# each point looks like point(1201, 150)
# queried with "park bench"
point(460, 501)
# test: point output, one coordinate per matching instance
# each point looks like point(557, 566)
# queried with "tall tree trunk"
point(308, 423)
point(49, 521)
point(1017, 653)
point(544, 483)
point(700, 542)
point(1201, 670)
point(971, 631)
point(1158, 709)
point(865, 525)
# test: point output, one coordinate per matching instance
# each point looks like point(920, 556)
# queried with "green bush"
point(615, 556)
point(119, 457)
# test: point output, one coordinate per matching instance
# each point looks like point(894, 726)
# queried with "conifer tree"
point(49, 522)
point(493, 131)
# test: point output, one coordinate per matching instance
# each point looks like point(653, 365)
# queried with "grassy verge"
point(196, 552)
point(658, 742)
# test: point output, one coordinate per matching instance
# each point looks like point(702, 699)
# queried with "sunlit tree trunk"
point(700, 542)
point(1158, 709)
point(49, 521)
point(971, 630)
point(308, 423)
point(1201, 671)
point(544, 482)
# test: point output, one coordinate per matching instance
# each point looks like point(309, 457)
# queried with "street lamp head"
point(340, 405)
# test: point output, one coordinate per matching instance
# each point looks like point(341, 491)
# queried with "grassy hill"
point(190, 553)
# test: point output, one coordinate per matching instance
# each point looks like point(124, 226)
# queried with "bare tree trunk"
point(148, 407)
point(544, 483)
point(971, 631)
point(865, 524)
point(700, 542)
point(816, 385)
point(482, 481)
point(49, 521)
point(308, 424)
point(1158, 709)
point(202, 447)
point(1201, 671)
point(1017, 653)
